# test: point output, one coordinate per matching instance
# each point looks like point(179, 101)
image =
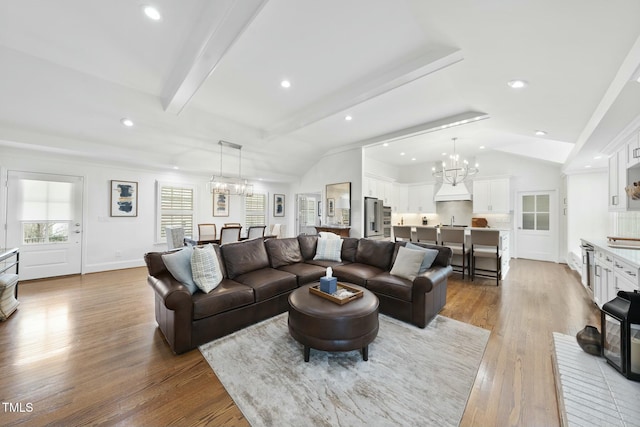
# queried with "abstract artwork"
point(278, 205)
point(124, 198)
point(221, 203)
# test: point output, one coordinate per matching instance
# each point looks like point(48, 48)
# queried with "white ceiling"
point(211, 70)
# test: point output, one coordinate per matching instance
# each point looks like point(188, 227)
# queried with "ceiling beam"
point(221, 24)
point(368, 88)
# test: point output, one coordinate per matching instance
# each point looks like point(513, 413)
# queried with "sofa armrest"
point(428, 280)
point(174, 294)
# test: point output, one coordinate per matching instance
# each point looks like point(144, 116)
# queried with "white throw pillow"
point(407, 263)
point(328, 250)
point(327, 235)
point(205, 268)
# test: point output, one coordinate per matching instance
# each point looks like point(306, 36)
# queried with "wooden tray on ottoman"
point(357, 293)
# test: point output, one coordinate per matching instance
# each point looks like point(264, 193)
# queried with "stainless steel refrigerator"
point(373, 217)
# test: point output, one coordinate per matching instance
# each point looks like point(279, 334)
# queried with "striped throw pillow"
point(328, 250)
point(205, 268)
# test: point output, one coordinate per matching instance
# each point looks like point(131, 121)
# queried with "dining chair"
point(454, 238)
point(232, 224)
point(175, 237)
point(485, 244)
point(402, 232)
point(207, 233)
point(256, 231)
point(427, 235)
point(229, 234)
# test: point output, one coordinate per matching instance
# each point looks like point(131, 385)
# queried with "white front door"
point(44, 220)
point(537, 225)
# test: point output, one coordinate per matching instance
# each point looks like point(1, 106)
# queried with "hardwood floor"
point(86, 350)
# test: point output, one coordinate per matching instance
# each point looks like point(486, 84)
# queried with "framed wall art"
point(278, 205)
point(124, 198)
point(331, 207)
point(221, 203)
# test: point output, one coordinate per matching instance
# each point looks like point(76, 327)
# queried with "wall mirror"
point(338, 204)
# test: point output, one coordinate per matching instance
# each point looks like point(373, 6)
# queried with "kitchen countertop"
point(630, 255)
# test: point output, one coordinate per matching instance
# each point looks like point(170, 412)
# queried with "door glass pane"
point(45, 232)
point(542, 221)
point(528, 203)
point(542, 203)
point(34, 233)
point(58, 232)
point(528, 221)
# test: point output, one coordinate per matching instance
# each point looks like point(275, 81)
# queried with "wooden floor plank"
point(86, 350)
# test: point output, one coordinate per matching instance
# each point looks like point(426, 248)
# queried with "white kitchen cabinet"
point(633, 150)
point(506, 254)
point(378, 188)
point(618, 180)
point(491, 196)
point(604, 284)
point(421, 198)
point(400, 198)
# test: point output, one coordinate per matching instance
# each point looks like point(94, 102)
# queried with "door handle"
point(77, 231)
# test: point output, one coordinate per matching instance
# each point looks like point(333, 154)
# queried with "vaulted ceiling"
point(208, 70)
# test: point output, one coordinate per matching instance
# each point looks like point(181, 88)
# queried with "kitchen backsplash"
point(625, 224)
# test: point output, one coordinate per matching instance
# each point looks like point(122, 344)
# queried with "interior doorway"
point(44, 220)
point(537, 225)
point(308, 212)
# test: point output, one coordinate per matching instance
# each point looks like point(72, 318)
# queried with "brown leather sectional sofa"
point(260, 274)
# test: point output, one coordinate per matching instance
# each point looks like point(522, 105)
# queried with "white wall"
point(131, 236)
point(587, 210)
point(343, 166)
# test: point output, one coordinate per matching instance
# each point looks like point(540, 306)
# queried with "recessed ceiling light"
point(597, 157)
point(482, 147)
point(152, 13)
point(126, 122)
point(176, 167)
point(413, 159)
point(386, 144)
point(402, 154)
point(587, 166)
point(348, 118)
point(540, 133)
point(518, 84)
point(444, 154)
point(285, 84)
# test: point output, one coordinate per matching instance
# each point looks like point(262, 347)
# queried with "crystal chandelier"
point(456, 171)
point(232, 185)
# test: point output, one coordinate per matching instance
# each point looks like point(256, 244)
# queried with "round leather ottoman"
point(324, 325)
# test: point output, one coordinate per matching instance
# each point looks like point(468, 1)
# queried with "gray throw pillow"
point(179, 265)
point(329, 249)
point(407, 263)
point(429, 257)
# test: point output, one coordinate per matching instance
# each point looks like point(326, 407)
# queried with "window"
point(535, 212)
point(175, 208)
point(255, 210)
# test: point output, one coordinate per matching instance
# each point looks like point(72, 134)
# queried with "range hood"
point(448, 193)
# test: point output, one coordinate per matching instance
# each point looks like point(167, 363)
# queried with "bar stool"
point(427, 235)
point(402, 232)
point(486, 244)
point(454, 238)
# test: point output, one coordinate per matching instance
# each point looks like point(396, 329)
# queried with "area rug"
point(590, 391)
point(413, 376)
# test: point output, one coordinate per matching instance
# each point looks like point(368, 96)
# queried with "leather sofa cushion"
point(377, 253)
point(226, 296)
point(324, 263)
point(283, 251)
point(268, 282)
point(357, 273)
point(349, 248)
point(392, 286)
point(306, 273)
point(243, 257)
point(308, 245)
